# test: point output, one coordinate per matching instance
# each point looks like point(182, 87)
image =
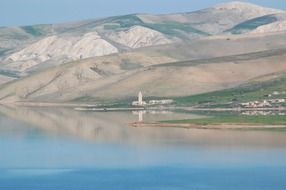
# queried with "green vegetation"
point(232, 97)
point(125, 21)
point(238, 119)
point(252, 24)
point(128, 65)
point(103, 103)
point(33, 30)
point(3, 51)
point(9, 74)
point(168, 28)
point(173, 28)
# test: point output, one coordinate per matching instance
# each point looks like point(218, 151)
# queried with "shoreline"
point(108, 109)
point(228, 126)
point(189, 125)
point(99, 107)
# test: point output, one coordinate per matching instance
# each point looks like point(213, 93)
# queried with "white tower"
point(140, 99)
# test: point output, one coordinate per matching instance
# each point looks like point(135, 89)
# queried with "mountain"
point(167, 70)
point(214, 20)
point(25, 48)
point(162, 55)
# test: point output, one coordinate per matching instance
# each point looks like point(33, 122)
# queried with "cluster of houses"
point(275, 93)
point(140, 101)
point(262, 103)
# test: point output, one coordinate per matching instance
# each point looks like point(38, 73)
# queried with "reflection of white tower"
point(140, 116)
point(140, 99)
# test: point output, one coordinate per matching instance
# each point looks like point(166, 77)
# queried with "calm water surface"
point(49, 149)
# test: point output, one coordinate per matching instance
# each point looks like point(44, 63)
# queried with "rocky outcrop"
point(65, 47)
point(273, 27)
point(139, 36)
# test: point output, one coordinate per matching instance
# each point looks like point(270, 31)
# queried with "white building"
point(140, 101)
point(156, 102)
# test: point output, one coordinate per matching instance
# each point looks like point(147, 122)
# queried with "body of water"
point(43, 149)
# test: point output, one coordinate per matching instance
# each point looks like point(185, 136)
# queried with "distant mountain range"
point(163, 55)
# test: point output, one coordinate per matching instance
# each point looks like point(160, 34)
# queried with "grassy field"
point(252, 24)
point(33, 30)
point(232, 97)
point(228, 98)
point(172, 28)
point(239, 119)
point(9, 74)
point(3, 51)
point(168, 28)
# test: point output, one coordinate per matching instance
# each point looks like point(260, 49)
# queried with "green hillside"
point(232, 97)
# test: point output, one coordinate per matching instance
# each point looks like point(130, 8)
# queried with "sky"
point(28, 12)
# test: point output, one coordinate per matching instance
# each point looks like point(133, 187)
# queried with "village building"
point(263, 103)
point(155, 102)
point(140, 101)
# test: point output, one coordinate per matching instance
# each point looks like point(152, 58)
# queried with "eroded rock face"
point(139, 36)
point(67, 47)
point(92, 45)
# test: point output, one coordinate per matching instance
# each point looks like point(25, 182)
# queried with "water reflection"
point(141, 114)
point(113, 127)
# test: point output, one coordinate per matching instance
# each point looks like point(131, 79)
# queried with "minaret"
point(140, 99)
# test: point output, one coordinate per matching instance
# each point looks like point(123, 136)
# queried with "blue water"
point(96, 153)
point(149, 178)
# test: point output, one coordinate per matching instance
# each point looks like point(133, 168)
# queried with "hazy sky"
point(25, 12)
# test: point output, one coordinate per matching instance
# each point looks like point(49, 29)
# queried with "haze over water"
point(66, 149)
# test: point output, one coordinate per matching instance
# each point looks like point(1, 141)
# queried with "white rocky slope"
point(139, 36)
point(67, 48)
point(55, 48)
point(278, 26)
